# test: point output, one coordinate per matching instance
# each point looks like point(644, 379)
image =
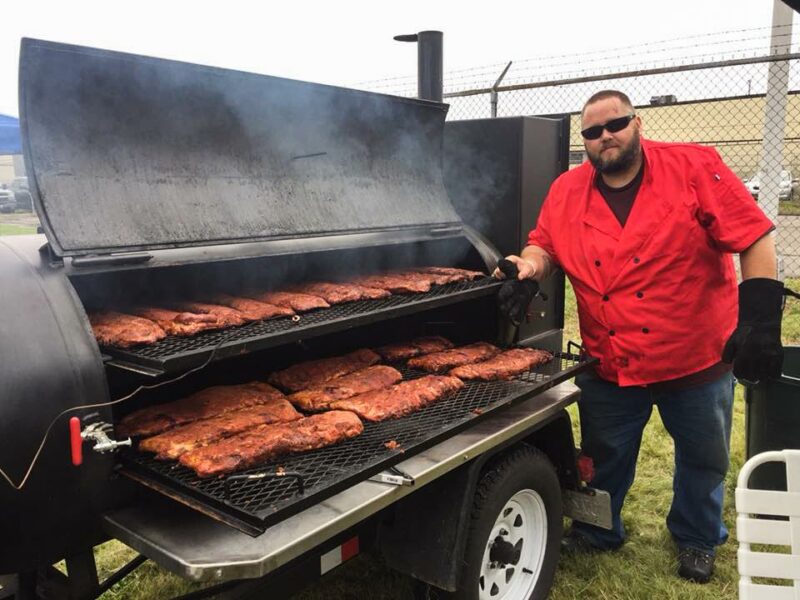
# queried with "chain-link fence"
point(737, 91)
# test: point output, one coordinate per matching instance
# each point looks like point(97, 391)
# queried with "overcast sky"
point(346, 42)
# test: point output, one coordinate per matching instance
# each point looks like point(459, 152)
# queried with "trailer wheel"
point(512, 547)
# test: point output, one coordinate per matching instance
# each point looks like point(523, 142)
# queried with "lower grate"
point(253, 504)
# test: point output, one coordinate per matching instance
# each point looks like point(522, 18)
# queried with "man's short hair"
point(604, 94)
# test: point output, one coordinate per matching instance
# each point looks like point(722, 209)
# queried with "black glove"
point(755, 348)
point(515, 295)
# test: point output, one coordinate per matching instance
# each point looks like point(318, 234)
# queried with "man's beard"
point(624, 161)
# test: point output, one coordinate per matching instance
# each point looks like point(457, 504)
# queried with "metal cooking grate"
point(177, 353)
point(253, 504)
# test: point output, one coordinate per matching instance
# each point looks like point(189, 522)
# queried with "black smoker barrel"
point(773, 420)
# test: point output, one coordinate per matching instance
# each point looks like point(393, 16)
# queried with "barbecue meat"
point(504, 366)
point(268, 441)
point(461, 274)
point(336, 293)
point(437, 362)
point(123, 331)
point(416, 347)
point(179, 323)
point(226, 316)
point(400, 399)
point(174, 442)
point(397, 283)
point(294, 300)
point(253, 310)
point(204, 404)
point(364, 380)
point(314, 372)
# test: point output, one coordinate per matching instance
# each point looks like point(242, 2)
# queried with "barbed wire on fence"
point(711, 89)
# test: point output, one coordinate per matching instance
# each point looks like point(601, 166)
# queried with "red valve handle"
point(76, 441)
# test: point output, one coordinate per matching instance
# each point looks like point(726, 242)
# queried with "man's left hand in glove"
point(755, 348)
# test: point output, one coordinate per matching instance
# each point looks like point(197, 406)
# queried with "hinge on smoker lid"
point(47, 252)
point(96, 260)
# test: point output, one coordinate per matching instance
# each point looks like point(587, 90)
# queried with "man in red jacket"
point(645, 231)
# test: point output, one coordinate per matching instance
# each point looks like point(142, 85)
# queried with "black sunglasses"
point(613, 126)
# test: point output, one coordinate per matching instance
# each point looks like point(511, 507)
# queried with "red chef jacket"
point(657, 299)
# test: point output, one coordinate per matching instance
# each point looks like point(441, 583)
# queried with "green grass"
point(8, 229)
point(643, 569)
point(789, 208)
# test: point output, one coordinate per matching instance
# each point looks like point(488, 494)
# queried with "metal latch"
point(393, 476)
point(97, 432)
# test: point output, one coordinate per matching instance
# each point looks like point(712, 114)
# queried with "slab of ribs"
point(400, 399)
point(269, 441)
point(314, 372)
point(439, 362)
point(254, 309)
point(337, 293)
point(121, 330)
point(174, 442)
point(504, 365)
point(295, 300)
point(416, 347)
point(204, 404)
point(179, 323)
point(321, 396)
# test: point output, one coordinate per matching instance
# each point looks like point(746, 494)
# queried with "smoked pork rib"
point(396, 283)
point(336, 293)
point(364, 380)
point(438, 362)
point(179, 323)
point(253, 309)
point(294, 300)
point(204, 404)
point(416, 347)
point(123, 331)
point(504, 366)
point(226, 316)
point(461, 274)
point(314, 372)
point(268, 441)
point(174, 442)
point(400, 399)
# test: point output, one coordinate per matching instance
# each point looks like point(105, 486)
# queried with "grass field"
point(9, 229)
point(643, 569)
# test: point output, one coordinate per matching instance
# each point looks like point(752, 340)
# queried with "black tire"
point(525, 472)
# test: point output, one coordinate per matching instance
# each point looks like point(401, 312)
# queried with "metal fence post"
point(772, 160)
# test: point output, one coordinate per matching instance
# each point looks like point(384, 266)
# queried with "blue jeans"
point(699, 421)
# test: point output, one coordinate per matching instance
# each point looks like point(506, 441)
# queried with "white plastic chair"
point(751, 530)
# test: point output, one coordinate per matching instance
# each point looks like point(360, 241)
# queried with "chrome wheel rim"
point(522, 526)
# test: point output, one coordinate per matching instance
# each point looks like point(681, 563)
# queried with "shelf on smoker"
point(176, 354)
point(254, 505)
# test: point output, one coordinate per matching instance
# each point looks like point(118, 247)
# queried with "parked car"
point(8, 202)
point(21, 193)
point(785, 187)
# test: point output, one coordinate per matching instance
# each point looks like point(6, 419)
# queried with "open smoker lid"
point(127, 153)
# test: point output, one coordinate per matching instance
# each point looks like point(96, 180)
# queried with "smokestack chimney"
point(429, 63)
